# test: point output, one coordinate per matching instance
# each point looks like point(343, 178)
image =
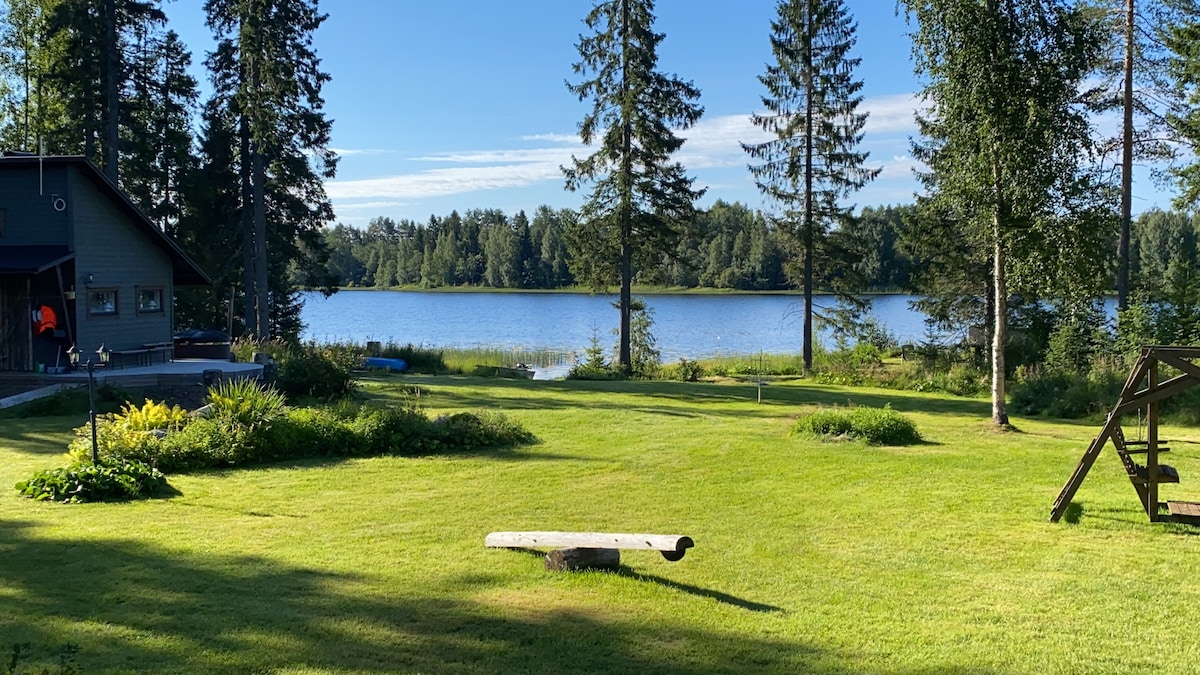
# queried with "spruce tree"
point(33, 109)
point(640, 203)
point(156, 137)
point(811, 163)
point(91, 40)
point(1182, 38)
point(1004, 138)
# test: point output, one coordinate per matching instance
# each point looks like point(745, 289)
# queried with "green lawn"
point(810, 556)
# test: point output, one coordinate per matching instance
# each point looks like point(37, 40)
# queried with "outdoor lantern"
point(105, 354)
point(73, 355)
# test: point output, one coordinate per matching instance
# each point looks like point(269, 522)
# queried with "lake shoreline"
point(576, 290)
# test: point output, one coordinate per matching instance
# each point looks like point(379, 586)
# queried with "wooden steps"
point(1144, 390)
point(1184, 512)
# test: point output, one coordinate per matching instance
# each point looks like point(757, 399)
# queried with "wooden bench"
point(142, 356)
point(580, 550)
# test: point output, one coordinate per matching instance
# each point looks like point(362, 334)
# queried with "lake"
point(691, 326)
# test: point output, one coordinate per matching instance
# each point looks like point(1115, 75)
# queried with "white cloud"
point(891, 114)
point(348, 152)
point(714, 142)
point(559, 155)
point(553, 138)
point(362, 206)
point(442, 182)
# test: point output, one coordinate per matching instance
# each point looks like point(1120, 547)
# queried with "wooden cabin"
point(80, 265)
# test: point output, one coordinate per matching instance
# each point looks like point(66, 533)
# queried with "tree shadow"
point(42, 436)
point(690, 398)
point(133, 607)
point(631, 573)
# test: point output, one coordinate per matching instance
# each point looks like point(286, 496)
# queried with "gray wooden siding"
point(117, 255)
point(29, 217)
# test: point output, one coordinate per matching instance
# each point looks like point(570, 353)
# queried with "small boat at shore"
point(517, 372)
point(390, 365)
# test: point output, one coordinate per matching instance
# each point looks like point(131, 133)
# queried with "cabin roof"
point(32, 259)
point(186, 272)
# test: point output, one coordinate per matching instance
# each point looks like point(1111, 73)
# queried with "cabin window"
point(150, 300)
point(102, 302)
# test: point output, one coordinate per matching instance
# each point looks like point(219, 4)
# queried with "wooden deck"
point(21, 387)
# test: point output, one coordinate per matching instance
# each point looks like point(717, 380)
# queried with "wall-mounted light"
point(89, 279)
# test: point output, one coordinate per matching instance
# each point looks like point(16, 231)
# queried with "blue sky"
point(460, 104)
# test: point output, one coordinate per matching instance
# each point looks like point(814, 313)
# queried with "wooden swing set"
point(1144, 389)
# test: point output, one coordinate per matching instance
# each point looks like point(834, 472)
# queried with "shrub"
point(582, 371)
point(246, 423)
point(94, 482)
point(244, 402)
point(824, 423)
point(398, 430)
point(467, 432)
point(877, 426)
point(321, 371)
point(1063, 394)
point(203, 444)
point(689, 371)
point(134, 434)
point(318, 371)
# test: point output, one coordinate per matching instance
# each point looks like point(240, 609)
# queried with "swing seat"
point(1166, 473)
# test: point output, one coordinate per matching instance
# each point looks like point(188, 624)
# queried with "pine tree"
point(811, 164)
point(1135, 83)
point(266, 73)
point(640, 202)
point(1003, 136)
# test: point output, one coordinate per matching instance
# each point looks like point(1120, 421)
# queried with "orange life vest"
point(44, 319)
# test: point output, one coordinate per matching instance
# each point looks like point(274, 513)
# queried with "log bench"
point(583, 550)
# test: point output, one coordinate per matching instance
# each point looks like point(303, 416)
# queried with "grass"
point(465, 360)
point(810, 556)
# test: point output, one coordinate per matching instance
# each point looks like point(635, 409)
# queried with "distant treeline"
point(735, 248)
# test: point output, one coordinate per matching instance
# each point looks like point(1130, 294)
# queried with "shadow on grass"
point(723, 598)
point(1127, 518)
point(700, 398)
point(39, 435)
point(132, 607)
point(630, 573)
point(1074, 511)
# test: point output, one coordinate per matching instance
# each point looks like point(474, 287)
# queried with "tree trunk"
point(111, 93)
point(262, 285)
point(625, 208)
point(624, 348)
point(1000, 331)
point(250, 283)
point(1126, 165)
point(808, 196)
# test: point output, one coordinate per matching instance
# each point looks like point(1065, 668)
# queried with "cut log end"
point(570, 559)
